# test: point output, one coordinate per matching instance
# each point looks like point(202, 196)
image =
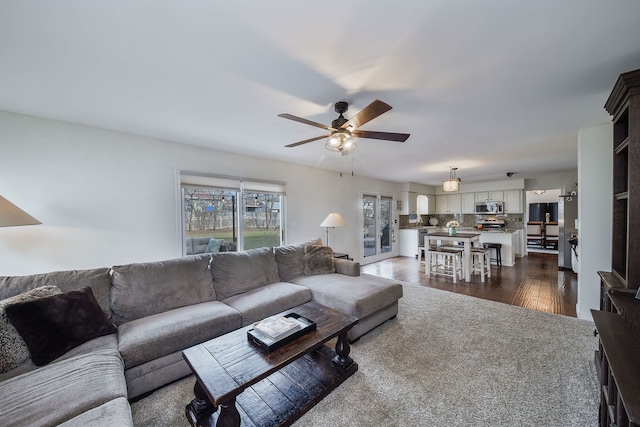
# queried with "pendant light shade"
point(453, 183)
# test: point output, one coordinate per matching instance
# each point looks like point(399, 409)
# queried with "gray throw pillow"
point(13, 349)
point(290, 259)
point(237, 272)
point(318, 260)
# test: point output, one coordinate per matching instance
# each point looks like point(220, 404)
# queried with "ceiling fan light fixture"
point(333, 143)
point(349, 146)
point(341, 141)
point(453, 183)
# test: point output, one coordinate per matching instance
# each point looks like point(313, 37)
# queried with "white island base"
point(508, 246)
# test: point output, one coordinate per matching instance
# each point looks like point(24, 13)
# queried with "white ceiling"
point(487, 86)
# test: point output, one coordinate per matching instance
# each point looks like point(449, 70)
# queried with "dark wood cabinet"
point(618, 320)
point(618, 326)
point(624, 105)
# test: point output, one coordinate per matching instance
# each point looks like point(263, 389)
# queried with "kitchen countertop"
point(466, 229)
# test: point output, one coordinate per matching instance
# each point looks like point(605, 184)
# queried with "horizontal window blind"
point(195, 179)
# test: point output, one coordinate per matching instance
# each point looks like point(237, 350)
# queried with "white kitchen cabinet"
point(432, 203)
point(409, 201)
point(468, 203)
point(409, 242)
point(513, 201)
point(490, 196)
point(448, 203)
point(423, 204)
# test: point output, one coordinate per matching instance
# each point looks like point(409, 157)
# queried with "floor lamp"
point(11, 215)
point(333, 220)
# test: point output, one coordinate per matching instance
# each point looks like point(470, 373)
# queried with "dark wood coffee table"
point(253, 388)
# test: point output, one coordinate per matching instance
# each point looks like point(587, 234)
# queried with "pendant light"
point(453, 183)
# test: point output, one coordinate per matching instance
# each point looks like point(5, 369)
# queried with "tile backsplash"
point(512, 221)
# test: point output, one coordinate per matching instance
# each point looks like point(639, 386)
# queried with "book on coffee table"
point(281, 327)
point(277, 327)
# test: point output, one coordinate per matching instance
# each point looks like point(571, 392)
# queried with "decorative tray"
point(268, 344)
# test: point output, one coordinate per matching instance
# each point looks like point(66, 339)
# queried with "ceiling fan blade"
point(386, 136)
point(305, 121)
point(295, 144)
point(367, 114)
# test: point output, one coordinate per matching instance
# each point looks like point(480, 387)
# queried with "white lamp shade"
point(333, 220)
point(11, 215)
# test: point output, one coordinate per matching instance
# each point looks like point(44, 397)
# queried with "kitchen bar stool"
point(498, 249)
point(481, 262)
point(444, 262)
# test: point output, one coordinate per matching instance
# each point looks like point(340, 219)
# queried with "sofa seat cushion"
point(155, 336)
point(268, 300)
point(116, 412)
point(358, 296)
point(63, 390)
point(105, 342)
point(237, 272)
point(140, 290)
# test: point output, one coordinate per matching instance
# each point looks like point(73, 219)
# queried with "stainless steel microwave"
point(494, 208)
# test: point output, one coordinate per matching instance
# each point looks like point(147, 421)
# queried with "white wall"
point(566, 182)
point(595, 195)
point(107, 198)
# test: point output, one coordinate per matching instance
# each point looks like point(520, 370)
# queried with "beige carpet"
point(448, 360)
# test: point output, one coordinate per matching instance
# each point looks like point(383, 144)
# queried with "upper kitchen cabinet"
point(448, 204)
point(423, 204)
point(432, 204)
point(468, 203)
point(624, 105)
point(490, 196)
point(513, 201)
point(409, 203)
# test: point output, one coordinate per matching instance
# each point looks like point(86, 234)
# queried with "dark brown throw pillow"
point(318, 260)
point(53, 325)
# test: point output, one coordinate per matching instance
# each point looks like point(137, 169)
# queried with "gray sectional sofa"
point(161, 308)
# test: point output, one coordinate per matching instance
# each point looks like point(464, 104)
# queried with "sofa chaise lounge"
point(159, 309)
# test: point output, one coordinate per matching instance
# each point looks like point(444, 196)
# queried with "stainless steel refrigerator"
point(567, 214)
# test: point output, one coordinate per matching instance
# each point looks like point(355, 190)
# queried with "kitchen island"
point(508, 238)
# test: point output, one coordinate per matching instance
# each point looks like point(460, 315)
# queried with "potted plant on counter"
point(453, 227)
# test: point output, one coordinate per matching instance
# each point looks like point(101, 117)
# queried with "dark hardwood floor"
point(534, 282)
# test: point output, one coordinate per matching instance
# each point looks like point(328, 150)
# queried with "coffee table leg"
point(199, 407)
point(229, 415)
point(343, 348)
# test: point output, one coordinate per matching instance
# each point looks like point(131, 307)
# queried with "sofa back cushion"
point(237, 272)
point(290, 259)
point(140, 290)
point(97, 279)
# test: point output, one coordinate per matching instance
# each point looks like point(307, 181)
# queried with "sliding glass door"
point(261, 220)
point(377, 221)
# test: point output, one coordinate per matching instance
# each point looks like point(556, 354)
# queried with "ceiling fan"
point(343, 131)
